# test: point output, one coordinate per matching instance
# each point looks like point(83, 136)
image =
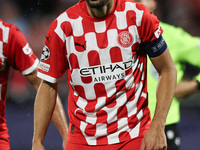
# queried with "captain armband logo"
point(156, 48)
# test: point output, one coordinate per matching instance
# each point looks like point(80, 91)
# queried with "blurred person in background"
point(33, 19)
point(15, 52)
point(106, 71)
point(185, 49)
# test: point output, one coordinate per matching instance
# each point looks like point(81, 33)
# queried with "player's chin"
point(96, 3)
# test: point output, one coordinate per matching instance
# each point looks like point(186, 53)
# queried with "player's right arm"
point(58, 117)
point(53, 65)
point(44, 105)
point(23, 59)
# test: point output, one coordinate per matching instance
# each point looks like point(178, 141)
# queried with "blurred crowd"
point(181, 13)
point(33, 18)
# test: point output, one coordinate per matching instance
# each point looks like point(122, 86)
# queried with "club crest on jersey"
point(45, 53)
point(125, 39)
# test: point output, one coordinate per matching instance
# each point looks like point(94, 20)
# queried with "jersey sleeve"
point(53, 62)
point(21, 56)
point(151, 34)
point(150, 27)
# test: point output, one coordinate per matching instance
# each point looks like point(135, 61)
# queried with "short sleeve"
point(150, 29)
point(53, 62)
point(21, 56)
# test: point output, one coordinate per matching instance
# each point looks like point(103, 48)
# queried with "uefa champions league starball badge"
point(125, 39)
point(45, 53)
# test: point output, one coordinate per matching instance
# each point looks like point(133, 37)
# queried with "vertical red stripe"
point(93, 57)
point(86, 80)
point(90, 107)
point(100, 90)
point(80, 90)
point(90, 130)
point(102, 40)
point(102, 116)
point(124, 135)
point(73, 60)
point(122, 112)
point(115, 54)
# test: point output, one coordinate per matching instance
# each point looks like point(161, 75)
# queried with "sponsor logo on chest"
point(101, 73)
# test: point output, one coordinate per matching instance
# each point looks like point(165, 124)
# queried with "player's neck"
point(101, 12)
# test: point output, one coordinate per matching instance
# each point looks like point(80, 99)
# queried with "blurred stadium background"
point(33, 18)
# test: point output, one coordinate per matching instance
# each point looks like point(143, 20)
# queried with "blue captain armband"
point(156, 48)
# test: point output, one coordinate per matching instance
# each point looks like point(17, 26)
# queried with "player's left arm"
point(58, 117)
point(156, 48)
point(154, 138)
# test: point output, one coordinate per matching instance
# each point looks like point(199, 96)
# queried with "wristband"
point(198, 87)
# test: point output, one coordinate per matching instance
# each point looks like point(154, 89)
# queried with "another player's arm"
point(189, 53)
point(186, 88)
point(60, 121)
point(44, 105)
point(19, 42)
point(154, 138)
point(33, 79)
point(59, 117)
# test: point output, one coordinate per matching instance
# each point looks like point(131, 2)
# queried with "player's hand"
point(154, 138)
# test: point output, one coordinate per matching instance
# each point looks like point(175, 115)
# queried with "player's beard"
point(96, 3)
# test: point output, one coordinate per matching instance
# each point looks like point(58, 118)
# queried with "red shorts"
point(4, 144)
point(127, 145)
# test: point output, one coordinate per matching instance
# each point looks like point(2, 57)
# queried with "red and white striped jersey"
point(106, 70)
point(14, 52)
